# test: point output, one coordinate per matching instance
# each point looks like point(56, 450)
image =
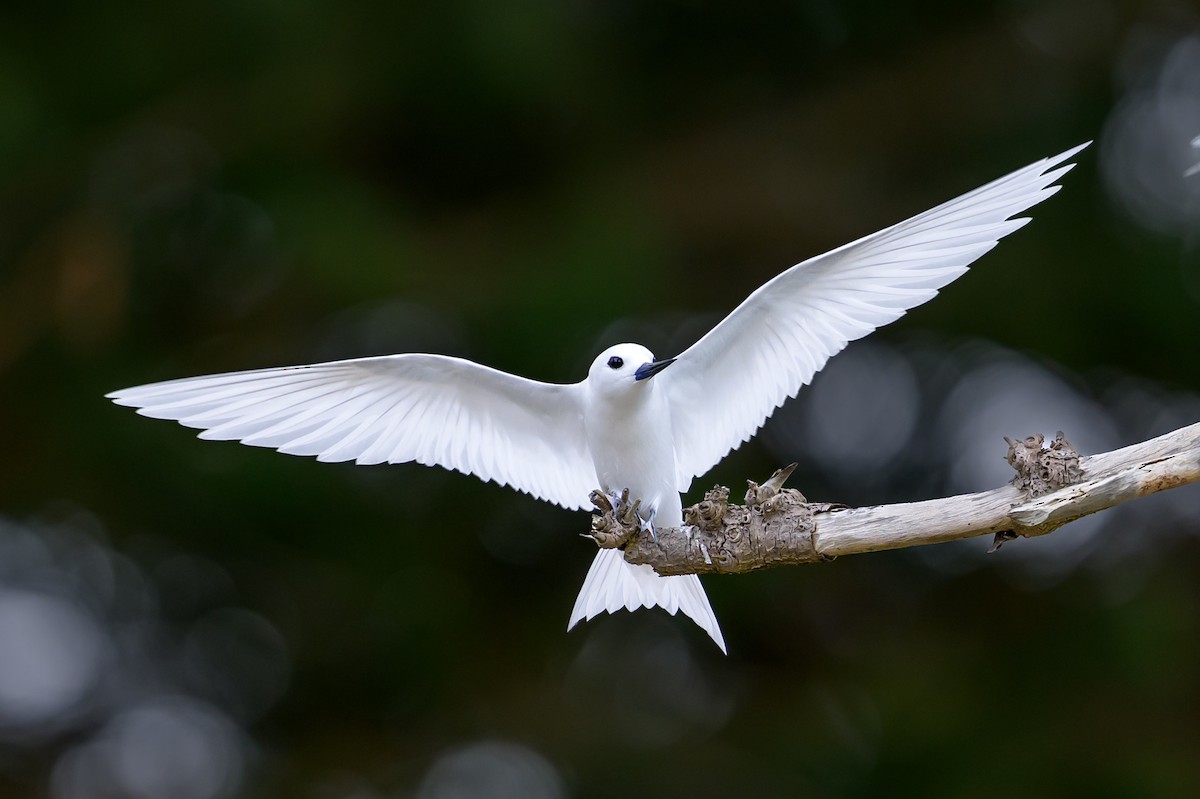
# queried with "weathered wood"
point(779, 527)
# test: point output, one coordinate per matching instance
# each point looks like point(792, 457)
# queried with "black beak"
point(648, 370)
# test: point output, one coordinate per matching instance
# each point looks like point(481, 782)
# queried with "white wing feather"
point(726, 385)
point(431, 409)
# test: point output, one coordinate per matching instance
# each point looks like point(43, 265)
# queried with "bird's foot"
point(648, 524)
point(612, 528)
point(619, 519)
point(625, 512)
point(617, 499)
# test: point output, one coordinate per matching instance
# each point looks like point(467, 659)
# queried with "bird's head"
point(623, 367)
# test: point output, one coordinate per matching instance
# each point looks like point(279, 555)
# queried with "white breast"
point(629, 436)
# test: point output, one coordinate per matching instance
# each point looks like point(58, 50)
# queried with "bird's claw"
point(616, 509)
point(616, 519)
point(618, 499)
point(648, 524)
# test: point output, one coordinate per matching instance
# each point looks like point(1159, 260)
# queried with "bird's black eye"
point(615, 363)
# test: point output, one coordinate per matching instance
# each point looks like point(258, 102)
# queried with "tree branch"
point(777, 526)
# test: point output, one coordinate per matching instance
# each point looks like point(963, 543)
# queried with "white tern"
point(650, 426)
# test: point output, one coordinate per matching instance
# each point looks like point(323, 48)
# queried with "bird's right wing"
point(724, 386)
point(431, 409)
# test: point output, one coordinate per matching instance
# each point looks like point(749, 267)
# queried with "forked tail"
point(612, 584)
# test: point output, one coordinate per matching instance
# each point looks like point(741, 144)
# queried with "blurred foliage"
point(191, 188)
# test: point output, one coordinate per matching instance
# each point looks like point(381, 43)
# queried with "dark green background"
point(200, 187)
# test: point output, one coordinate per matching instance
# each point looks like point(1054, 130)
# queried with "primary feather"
point(431, 409)
point(725, 386)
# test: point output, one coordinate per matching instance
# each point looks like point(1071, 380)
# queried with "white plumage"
point(652, 434)
point(431, 409)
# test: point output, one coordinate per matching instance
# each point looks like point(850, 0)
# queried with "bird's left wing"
point(431, 409)
point(726, 385)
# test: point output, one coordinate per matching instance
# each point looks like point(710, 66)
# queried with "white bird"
point(633, 423)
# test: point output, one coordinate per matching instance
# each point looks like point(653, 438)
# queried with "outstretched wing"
point(723, 388)
point(431, 409)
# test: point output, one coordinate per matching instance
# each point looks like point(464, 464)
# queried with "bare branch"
point(777, 526)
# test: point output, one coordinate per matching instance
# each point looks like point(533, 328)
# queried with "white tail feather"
point(612, 584)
